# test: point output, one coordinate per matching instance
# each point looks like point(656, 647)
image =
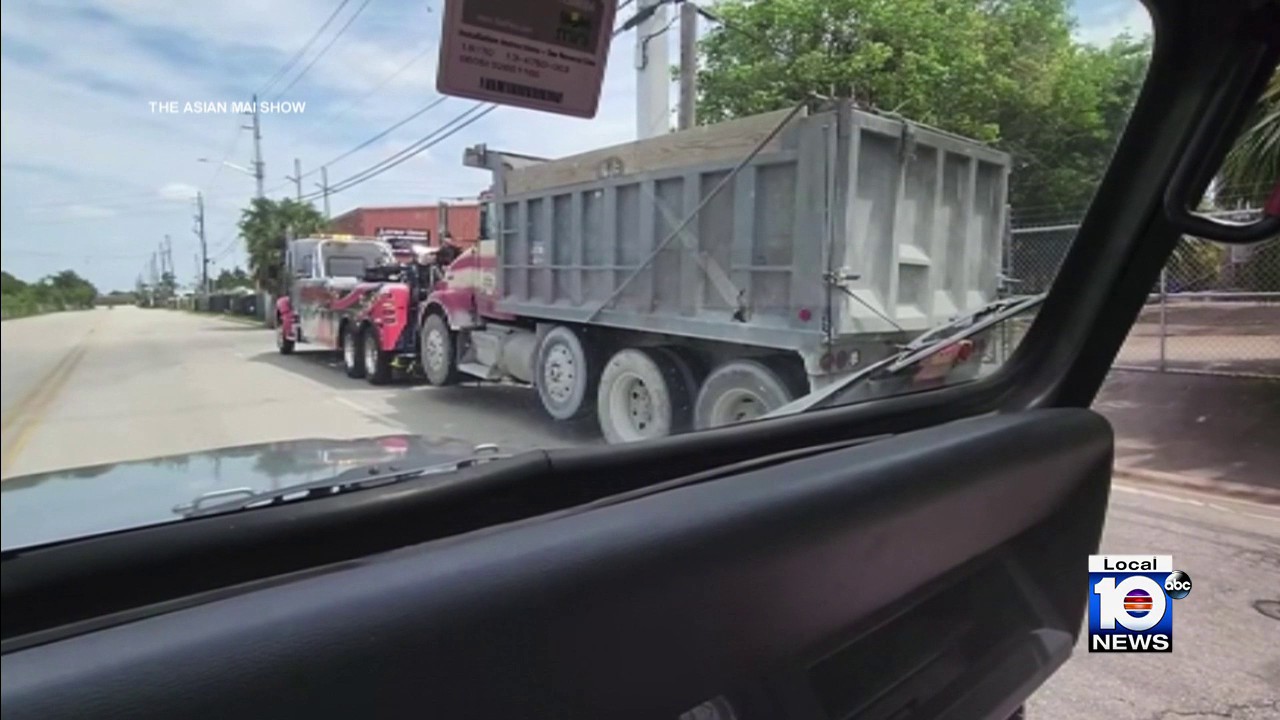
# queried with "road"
point(129, 384)
point(104, 386)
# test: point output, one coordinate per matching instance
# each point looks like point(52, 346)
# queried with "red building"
point(464, 221)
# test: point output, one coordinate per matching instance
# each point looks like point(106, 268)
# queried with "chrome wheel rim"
point(348, 350)
point(559, 374)
point(433, 350)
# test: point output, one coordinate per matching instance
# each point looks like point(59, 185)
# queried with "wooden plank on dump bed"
point(723, 142)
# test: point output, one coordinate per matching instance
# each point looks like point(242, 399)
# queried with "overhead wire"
point(381, 84)
point(324, 49)
point(279, 74)
point(401, 123)
point(457, 123)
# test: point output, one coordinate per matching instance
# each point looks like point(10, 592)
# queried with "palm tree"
point(266, 224)
point(1252, 168)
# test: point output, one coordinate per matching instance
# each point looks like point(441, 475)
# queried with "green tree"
point(1249, 173)
point(232, 278)
point(1252, 168)
point(266, 224)
point(1006, 72)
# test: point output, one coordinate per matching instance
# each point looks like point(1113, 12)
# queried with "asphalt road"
point(104, 386)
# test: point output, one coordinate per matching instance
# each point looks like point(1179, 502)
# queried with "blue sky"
point(93, 179)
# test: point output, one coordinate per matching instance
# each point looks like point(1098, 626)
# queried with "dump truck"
point(712, 275)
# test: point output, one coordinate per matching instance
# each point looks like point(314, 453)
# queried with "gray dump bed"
point(845, 224)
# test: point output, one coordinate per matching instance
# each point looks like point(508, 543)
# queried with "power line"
point(325, 49)
point(381, 84)
point(303, 51)
point(412, 116)
point(440, 134)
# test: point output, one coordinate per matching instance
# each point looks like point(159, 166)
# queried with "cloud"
point(177, 191)
point(89, 212)
point(89, 164)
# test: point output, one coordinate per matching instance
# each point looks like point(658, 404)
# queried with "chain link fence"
point(1215, 309)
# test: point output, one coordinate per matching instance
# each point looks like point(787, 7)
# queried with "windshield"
point(838, 180)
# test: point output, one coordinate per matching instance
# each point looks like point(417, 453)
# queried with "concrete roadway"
point(103, 386)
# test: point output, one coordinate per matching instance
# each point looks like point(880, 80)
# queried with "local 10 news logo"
point(1131, 602)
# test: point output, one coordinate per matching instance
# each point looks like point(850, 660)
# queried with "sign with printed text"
point(539, 54)
point(1131, 602)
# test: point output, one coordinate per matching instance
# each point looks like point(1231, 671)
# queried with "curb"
point(231, 318)
point(1227, 488)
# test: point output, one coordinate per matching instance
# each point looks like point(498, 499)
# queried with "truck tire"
point(743, 390)
point(643, 395)
point(352, 354)
point(377, 362)
point(436, 352)
point(566, 374)
point(284, 343)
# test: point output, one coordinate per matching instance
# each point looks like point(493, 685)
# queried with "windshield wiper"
point(924, 345)
point(356, 478)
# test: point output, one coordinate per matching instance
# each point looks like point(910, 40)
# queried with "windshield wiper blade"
point(356, 478)
point(924, 345)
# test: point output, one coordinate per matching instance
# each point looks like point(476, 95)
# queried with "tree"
point(1252, 168)
point(229, 279)
point(1249, 173)
point(1005, 72)
point(266, 224)
point(60, 291)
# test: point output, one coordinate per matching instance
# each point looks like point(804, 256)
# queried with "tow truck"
point(357, 295)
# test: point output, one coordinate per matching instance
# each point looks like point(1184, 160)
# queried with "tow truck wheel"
point(352, 357)
point(377, 362)
point(644, 394)
point(566, 375)
point(284, 343)
point(436, 352)
point(741, 391)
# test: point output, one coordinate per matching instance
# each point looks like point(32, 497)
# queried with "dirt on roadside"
point(1203, 427)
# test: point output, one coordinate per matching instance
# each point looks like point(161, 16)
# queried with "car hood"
point(53, 506)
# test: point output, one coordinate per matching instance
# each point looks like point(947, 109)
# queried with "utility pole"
point(296, 178)
point(258, 166)
point(204, 247)
point(688, 65)
point(324, 188)
point(653, 104)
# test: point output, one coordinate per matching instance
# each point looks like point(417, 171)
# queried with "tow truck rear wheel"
point(644, 394)
point(377, 362)
point(744, 390)
point(436, 353)
point(352, 356)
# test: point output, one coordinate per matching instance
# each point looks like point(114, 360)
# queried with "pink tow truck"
point(356, 295)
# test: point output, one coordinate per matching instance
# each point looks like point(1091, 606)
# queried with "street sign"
point(540, 54)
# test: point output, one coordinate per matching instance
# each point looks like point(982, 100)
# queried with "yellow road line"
point(27, 414)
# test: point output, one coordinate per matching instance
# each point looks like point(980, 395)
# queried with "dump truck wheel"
point(377, 362)
point(436, 352)
point(643, 395)
point(566, 374)
point(741, 391)
point(352, 356)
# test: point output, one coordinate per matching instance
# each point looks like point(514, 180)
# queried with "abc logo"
point(1178, 584)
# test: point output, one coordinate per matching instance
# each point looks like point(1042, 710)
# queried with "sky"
point(94, 178)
